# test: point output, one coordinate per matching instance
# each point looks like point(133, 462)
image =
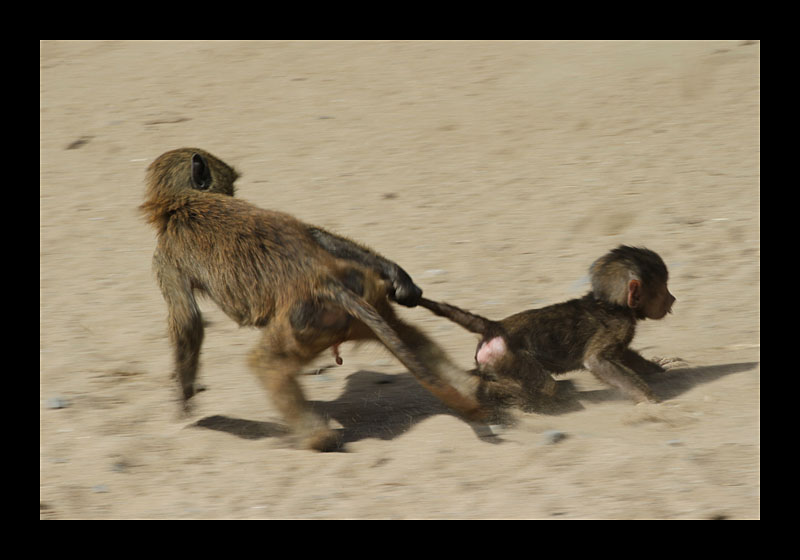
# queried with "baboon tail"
point(359, 308)
point(470, 321)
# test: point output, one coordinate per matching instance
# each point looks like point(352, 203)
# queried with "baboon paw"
point(488, 432)
point(403, 290)
point(647, 399)
point(324, 440)
point(405, 294)
point(670, 363)
point(186, 409)
point(187, 404)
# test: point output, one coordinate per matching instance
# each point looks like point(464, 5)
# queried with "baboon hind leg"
point(437, 361)
point(435, 371)
point(276, 362)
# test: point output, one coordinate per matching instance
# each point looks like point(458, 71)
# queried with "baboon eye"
point(201, 175)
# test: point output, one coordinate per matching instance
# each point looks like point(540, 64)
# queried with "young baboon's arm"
point(403, 291)
point(617, 375)
point(639, 364)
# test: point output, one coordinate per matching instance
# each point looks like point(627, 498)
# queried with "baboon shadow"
point(372, 405)
point(245, 429)
point(379, 405)
point(385, 406)
point(673, 382)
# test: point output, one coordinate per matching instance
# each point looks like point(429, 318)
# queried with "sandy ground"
point(494, 172)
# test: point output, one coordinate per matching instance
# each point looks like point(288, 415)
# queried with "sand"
point(494, 173)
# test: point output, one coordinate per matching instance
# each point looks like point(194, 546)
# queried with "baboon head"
point(633, 277)
point(189, 169)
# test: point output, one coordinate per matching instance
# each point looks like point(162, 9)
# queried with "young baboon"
point(516, 355)
point(308, 289)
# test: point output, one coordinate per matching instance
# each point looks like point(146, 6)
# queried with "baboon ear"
point(201, 175)
point(634, 293)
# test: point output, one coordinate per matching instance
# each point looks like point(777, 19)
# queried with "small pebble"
point(78, 143)
point(553, 436)
point(56, 402)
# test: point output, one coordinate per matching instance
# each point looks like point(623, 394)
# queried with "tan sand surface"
point(494, 173)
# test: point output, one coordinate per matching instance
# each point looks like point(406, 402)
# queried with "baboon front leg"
point(621, 377)
point(185, 324)
point(637, 363)
point(187, 337)
point(277, 370)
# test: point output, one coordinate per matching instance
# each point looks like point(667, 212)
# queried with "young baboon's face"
point(658, 301)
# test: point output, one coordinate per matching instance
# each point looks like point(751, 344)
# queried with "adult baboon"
point(307, 288)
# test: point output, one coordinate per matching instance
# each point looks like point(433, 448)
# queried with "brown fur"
point(267, 269)
point(517, 355)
